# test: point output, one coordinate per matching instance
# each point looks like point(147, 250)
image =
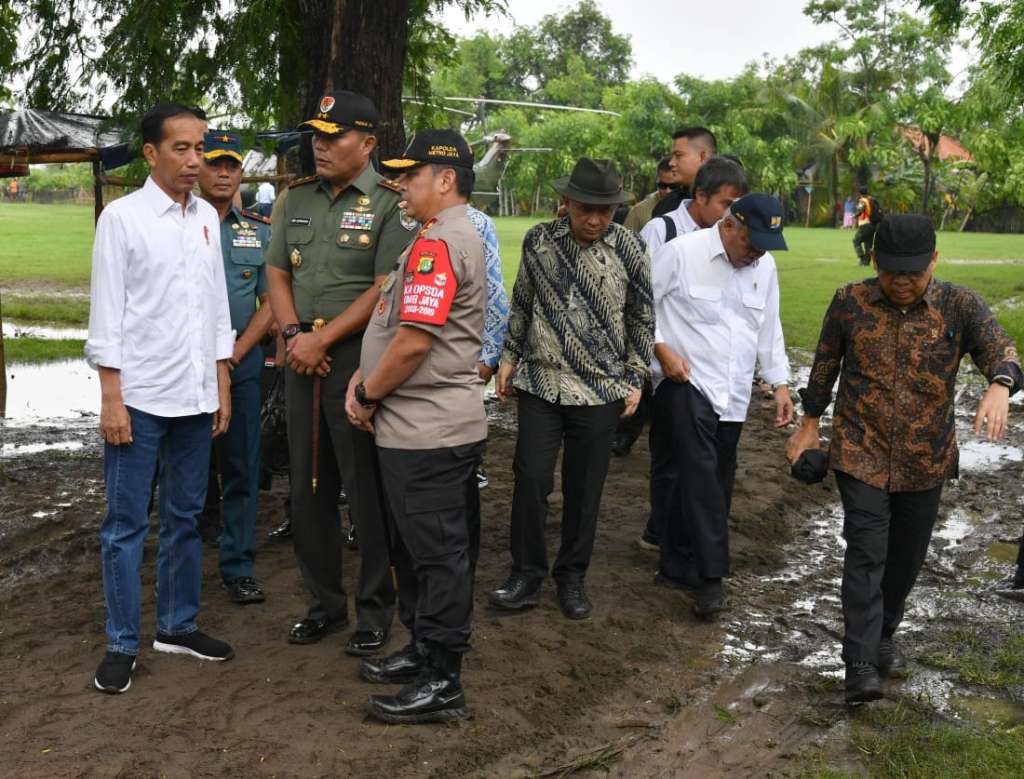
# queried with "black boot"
point(434, 696)
point(862, 683)
point(891, 662)
point(401, 667)
point(282, 531)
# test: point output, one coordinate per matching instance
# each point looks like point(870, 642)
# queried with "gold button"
point(296, 258)
point(364, 240)
point(344, 238)
point(247, 274)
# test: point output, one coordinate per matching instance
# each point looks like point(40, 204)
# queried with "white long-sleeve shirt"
point(654, 231)
point(723, 320)
point(159, 303)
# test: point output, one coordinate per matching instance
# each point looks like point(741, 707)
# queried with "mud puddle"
point(32, 330)
point(60, 390)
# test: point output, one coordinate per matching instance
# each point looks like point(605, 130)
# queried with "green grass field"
point(47, 249)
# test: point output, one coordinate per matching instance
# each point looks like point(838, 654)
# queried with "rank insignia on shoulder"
point(389, 184)
point(296, 258)
point(426, 263)
point(300, 182)
point(256, 217)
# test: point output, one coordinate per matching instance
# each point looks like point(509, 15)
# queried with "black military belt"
point(307, 327)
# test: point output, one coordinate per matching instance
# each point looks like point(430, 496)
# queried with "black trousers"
point(701, 452)
point(863, 240)
point(588, 432)
point(666, 499)
point(429, 496)
point(887, 536)
point(343, 453)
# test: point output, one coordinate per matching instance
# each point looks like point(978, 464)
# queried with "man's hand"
point(115, 423)
point(503, 383)
point(222, 416)
point(485, 371)
point(632, 401)
point(783, 406)
point(359, 416)
point(674, 366)
point(993, 411)
point(806, 437)
point(307, 354)
point(236, 356)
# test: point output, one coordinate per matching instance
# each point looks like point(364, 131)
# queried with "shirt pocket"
point(706, 303)
point(753, 309)
point(244, 271)
point(299, 238)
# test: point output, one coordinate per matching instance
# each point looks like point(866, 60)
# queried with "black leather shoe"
point(310, 630)
point(862, 683)
point(243, 590)
point(366, 642)
point(516, 593)
point(686, 585)
point(710, 599)
point(435, 695)
point(573, 600)
point(891, 662)
point(281, 532)
point(401, 667)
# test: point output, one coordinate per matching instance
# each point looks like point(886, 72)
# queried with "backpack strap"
point(670, 227)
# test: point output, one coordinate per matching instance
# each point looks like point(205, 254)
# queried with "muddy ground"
point(641, 689)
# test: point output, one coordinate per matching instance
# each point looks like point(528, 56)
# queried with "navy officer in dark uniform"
point(244, 237)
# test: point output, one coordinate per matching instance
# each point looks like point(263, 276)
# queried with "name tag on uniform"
point(353, 220)
point(245, 242)
point(299, 220)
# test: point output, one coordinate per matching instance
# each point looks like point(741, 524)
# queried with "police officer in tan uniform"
point(419, 391)
point(334, 240)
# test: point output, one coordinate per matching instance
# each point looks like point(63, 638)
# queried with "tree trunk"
point(837, 215)
point(358, 45)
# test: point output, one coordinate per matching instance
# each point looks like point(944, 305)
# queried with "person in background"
point(666, 180)
point(265, 197)
point(691, 148)
point(867, 221)
point(160, 337)
point(895, 343)
point(243, 236)
point(849, 213)
point(577, 353)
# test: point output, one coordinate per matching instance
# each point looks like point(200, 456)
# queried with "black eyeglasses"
point(665, 185)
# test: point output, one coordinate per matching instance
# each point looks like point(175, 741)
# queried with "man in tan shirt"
point(419, 392)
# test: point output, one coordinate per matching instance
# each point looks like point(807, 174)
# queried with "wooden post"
point(3, 368)
point(97, 189)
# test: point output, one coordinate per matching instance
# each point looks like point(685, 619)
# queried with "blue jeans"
point(182, 445)
point(240, 469)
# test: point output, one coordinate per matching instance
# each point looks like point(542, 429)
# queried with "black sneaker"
point(710, 599)
point(243, 590)
point(862, 683)
point(196, 643)
point(115, 673)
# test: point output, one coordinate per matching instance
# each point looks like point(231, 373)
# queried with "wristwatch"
point(1006, 381)
point(290, 331)
point(361, 396)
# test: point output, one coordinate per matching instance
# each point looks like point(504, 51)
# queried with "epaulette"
point(390, 184)
point(300, 182)
point(256, 217)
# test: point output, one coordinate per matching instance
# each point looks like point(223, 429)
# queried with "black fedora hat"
point(595, 182)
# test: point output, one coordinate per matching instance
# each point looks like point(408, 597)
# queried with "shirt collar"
point(160, 201)
point(364, 182)
point(716, 248)
point(451, 212)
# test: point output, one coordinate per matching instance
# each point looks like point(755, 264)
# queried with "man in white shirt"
point(160, 336)
point(716, 301)
point(719, 181)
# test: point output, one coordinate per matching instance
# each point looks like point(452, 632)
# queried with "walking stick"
point(318, 324)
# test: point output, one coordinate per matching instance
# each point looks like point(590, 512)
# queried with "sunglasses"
point(666, 185)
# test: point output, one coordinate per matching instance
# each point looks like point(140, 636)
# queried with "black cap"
point(904, 242)
point(761, 214)
point(594, 182)
point(222, 143)
point(343, 110)
point(433, 147)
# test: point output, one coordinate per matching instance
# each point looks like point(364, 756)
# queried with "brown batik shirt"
point(893, 425)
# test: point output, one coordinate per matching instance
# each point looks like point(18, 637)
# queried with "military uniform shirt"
point(243, 239)
point(438, 285)
point(334, 247)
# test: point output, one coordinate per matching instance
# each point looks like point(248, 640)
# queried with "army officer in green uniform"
point(334, 241)
point(244, 236)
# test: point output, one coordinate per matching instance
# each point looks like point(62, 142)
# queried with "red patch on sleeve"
point(429, 285)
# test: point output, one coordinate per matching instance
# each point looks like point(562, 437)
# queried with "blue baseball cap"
point(222, 143)
point(762, 215)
